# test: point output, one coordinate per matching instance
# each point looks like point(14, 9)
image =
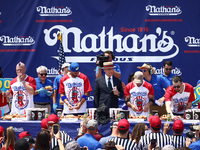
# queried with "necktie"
point(109, 85)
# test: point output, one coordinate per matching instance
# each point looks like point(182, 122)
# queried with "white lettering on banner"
point(53, 72)
point(176, 71)
point(17, 40)
point(53, 11)
point(18, 129)
point(192, 41)
point(164, 45)
point(163, 10)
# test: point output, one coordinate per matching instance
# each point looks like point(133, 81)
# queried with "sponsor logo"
point(53, 11)
point(52, 72)
point(18, 129)
point(163, 10)
point(192, 41)
point(159, 42)
point(17, 40)
point(176, 71)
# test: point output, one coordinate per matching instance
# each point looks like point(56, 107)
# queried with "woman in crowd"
point(43, 140)
point(137, 132)
point(10, 139)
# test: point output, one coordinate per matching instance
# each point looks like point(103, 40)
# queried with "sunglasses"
point(168, 69)
point(176, 87)
point(43, 74)
point(144, 70)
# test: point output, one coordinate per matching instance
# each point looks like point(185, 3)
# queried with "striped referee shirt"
point(126, 143)
point(64, 138)
point(162, 139)
point(178, 140)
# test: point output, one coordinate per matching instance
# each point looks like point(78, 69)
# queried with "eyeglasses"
point(43, 74)
point(144, 70)
point(168, 69)
point(176, 87)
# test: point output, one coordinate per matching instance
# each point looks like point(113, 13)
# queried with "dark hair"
point(110, 52)
point(122, 132)
point(176, 79)
point(137, 132)
point(42, 140)
point(130, 77)
point(167, 62)
point(109, 144)
point(21, 144)
point(184, 148)
point(155, 129)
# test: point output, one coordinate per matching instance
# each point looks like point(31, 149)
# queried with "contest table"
point(72, 128)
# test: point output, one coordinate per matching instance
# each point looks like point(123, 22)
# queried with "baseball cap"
point(155, 121)
point(65, 65)
point(178, 126)
point(72, 145)
point(52, 119)
point(24, 134)
point(138, 77)
point(92, 125)
point(1, 131)
point(123, 124)
point(30, 140)
point(44, 123)
point(74, 67)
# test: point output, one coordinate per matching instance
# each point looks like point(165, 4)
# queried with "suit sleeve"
point(121, 95)
point(96, 94)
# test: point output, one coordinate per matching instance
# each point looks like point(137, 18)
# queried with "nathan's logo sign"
point(53, 11)
point(148, 44)
point(192, 41)
point(163, 10)
point(52, 72)
point(17, 40)
point(175, 70)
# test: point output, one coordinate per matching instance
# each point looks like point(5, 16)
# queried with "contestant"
point(21, 90)
point(139, 95)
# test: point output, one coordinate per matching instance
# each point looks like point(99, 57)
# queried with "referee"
point(161, 138)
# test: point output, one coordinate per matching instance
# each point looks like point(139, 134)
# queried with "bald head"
point(20, 68)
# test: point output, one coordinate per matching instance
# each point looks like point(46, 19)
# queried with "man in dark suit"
point(108, 88)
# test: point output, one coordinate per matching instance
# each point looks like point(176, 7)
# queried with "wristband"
point(58, 139)
point(84, 96)
point(151, 100)
point(23, 81)
point(63, 98)
point(127, 101)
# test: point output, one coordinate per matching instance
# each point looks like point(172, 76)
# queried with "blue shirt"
point(42, 97)
point(195, 145)
point(168, 79)
point(89, 141)
point(56, 87)
point(117, 68)
point(159, 84)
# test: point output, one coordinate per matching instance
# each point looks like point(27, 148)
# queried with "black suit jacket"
point(103, 95)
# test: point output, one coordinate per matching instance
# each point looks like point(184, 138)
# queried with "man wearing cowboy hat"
point(108, 88)
point(159, 84)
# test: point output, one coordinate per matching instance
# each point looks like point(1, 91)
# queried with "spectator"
point(167, 74)
point(42, 140)
point(54, 119)
point(88, 139)
point(117, 71)
point(24, 134)
point(1, 137)
point(121, 139)
point(42, 95)
point(73, 145)
point(155, 126)
point(114, 133)
point(57, 103)
point(10, 139)
point(83, 130)
point(22, 98)
point(143, 97)
point(131, 77)
point(108, 88)
point(31, 141)
point(159, 86)
point(137, 132)
point(44, 124)
point(178, 97)
point(21, 144)
point(109, 145)
point(74, 89)
point(168, 147)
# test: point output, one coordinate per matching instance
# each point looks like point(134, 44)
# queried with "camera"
point(194, 127)
point(153, 143)
point(101, 59)
point(55, 128)
point(190, 135)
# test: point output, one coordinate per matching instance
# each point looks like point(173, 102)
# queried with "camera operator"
point(108, 57)
point(193, 144)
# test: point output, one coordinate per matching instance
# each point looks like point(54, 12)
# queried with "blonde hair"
point(10, 137)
